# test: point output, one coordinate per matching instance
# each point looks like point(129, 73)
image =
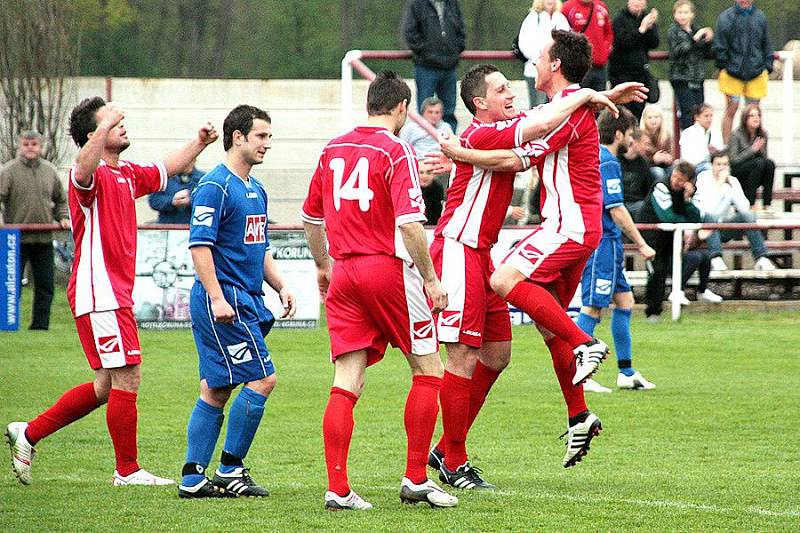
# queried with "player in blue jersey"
point(232, 258)
point(603, 278)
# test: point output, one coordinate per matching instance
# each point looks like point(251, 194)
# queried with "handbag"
point(654, 93)
point(516, 51)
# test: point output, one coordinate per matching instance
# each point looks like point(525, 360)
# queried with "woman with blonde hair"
point(544, 17)
point(657, 140)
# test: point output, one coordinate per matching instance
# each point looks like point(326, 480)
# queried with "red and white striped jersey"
point(568, 159)
point(103, 219)
point(366, 185)
point(477, 199)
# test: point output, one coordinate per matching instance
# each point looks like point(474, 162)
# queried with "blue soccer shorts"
point(231, 354)
point(604, 274)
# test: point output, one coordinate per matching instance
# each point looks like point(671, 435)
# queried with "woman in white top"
point(544, 17)
point(699, 141)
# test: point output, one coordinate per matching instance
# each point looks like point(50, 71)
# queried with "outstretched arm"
point(177, 161)
point(546, 118)
point(627, 92)
point(500, 160)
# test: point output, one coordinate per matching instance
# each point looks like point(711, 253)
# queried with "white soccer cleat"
point(635, 382)
point(428, 492)
point(679, 297)
point(765, 265)
point(140, 477)
point(21, 451)
point(718, 264)
point(588, 357)
point(591, 385)
point(579, 437)
point(353, 502)
point(710, 297)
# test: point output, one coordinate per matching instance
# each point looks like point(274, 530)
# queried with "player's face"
point(684, 15)
point(117, 139)
point(257, 142)
point(30, 149)
point(499, 100)
point(434, 113)
point(545, 66)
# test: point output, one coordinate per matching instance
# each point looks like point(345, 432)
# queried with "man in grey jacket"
point(434, 31)
point(744, 57)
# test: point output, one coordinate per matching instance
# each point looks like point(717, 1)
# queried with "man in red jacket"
point(591, 18)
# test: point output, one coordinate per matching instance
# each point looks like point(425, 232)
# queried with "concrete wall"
point(164, 113)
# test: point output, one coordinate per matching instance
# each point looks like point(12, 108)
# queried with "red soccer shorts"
point(109, 338)
point(551, 260)
point(474, 312)
point(376, 300)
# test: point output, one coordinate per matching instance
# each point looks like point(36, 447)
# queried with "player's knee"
point(500, 283)
point(461, 359)
point(126, 378)
point(426, 365)
point(263, 386)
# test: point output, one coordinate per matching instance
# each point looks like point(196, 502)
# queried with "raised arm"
point(417, 245)
point(177, 161)
point(90, 154)
point(546, 118)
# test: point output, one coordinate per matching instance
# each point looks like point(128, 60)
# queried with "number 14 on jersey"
point(357, 185)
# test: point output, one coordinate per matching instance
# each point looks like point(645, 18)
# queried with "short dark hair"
point(685, 168)
point(575, 52)
point(474, 84)
point(82, 119)
point(386, 92)
point(699, 108)
point(241, 119)
point(608, 126)
point(719, 153)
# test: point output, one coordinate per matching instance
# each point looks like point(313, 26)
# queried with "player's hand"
point(437, 294)
point(288, 301)
point(599, 101)
point(647, 252)
point(112, 116)
point(222, 311)
point(625, 93)
point(64, 223)
point(516, 213)
point(181, 198)
point(207, 134)
point(449, 145)
point(688, 190)
point(323, 281)
point(438, 163)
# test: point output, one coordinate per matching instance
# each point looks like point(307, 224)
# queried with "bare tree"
point(39, 50)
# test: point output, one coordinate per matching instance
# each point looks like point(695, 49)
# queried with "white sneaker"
point(636, 382)
point(579, 437)
point(679, 297)
point(428, 492)
point(21, 451)
point(718, 264)
point(591, 385)
point(140, 477)
point(764, 264)
point(334, 502)
point(710, 297)
point(588, 357)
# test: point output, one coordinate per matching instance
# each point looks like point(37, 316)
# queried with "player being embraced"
point(365, 196)
point(102, 193)
point(541, 274)
point(231, 254)
point(603, 279)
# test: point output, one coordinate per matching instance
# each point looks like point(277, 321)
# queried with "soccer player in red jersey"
point(541, 274)
point(365, 196)
point(102, 193)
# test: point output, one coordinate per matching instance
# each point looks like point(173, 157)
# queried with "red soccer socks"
point(483, 379)
point(122, 419)
point(422, 408)
point(73, 404)
point(545, 310)
point(564, 365)
point(337, 431)
point(455, 398)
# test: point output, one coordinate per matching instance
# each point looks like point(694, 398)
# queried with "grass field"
point(713, 448)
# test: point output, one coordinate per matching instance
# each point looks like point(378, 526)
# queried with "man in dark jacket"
point(174, 204)
point(744, 57)
point(635, 33)
point(434, 31)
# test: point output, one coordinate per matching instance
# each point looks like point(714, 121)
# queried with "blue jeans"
point(688, 95)
point(754, 236)
point(439, 82)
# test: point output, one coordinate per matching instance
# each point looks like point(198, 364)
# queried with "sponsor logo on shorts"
point(203, 215)
point(107, 344)
point(449, 319)
point(602, 286)
point(239, 353)
point(530, 252)
point(134, 352)
point(255, 229)
point(614, 186)
point(471, 333)
point(423, 330)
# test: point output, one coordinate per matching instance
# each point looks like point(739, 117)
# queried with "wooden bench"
point(781, 252)
point(786, 278)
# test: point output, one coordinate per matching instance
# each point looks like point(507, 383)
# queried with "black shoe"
point(436, 458)
point(204, 489)
point(465, 476)
point(239, 482)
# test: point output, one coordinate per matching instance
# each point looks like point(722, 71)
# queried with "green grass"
point(713, 448)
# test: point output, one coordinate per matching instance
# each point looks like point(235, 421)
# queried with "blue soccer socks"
point(243, 421)
point(201, 435)
point(621, 332)
point(587, 323)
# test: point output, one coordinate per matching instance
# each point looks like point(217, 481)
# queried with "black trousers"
point(754, 173)
point(42, 267)
point(661, 242)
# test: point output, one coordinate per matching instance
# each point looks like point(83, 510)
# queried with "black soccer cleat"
point(204, 489)
point(465, 477)
point(240, 483)
point(436, 458)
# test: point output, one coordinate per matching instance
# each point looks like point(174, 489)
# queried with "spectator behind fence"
point(699, 140)
point(432, 193)
point(670, 201)
point(543, 17)
point(698, 260)
point(174, 204)
point(434, 31)
point(744, 57)
point(637, 178)
point(658, 145)
point(592, 18)
point(748, 155)
point(635, 33)
point(418, 137)
point(720, 199)
point(689, 46)
point(31, 193)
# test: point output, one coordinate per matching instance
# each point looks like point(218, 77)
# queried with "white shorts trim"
point(455, 283)
point(422, 330)
point(532, 251)
point(107, 339)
